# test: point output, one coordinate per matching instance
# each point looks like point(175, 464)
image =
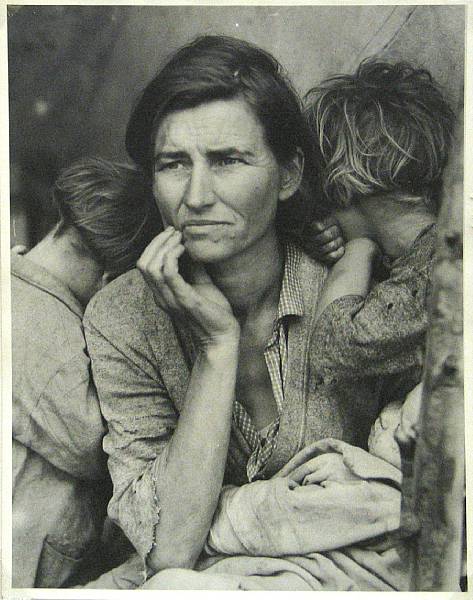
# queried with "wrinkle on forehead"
point(211, 126)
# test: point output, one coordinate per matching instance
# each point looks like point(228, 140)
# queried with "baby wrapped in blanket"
point(326, 521)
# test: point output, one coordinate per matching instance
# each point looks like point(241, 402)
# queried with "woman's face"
point(216, 179)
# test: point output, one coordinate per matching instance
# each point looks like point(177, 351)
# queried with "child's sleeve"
point(383, 333)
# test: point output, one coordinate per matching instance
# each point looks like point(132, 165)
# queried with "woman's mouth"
point(201, 226)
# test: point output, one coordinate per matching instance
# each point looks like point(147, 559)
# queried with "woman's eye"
point(227, 161)
point(169, 166)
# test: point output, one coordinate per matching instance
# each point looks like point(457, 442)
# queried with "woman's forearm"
point(191, 480)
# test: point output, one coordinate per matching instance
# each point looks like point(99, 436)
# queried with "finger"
point(322, 224)
point(163, 297)
point(153, 271)
point(154, 246)
point(161, 293)
point(171, 274)
point(170, 262)
point(184, 295)
point(301, 457)
point(305, 469)
point(312, 478)
point(153, 263)
point(336, 254)
point(332, 246)
point(321, 238)
point(328, 235)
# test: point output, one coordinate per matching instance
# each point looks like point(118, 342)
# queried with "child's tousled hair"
point(111, 206)
point(387, 128)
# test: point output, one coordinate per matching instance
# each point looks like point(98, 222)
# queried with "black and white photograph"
point(232, 299)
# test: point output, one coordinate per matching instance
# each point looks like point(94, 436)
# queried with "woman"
point(206, 358)
point(60, 480)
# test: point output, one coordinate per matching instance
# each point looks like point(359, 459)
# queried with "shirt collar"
point(290, 298)
point(39, 277)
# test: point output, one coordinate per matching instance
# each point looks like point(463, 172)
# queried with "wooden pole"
point(435, 511)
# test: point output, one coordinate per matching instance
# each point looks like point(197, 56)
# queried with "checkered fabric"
point(263, 443)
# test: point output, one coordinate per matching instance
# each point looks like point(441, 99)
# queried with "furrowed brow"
point(169, 155)
point(229, 151)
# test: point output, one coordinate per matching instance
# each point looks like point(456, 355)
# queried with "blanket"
point(327, 521)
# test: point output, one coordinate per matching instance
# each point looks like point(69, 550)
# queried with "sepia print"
point(236, 317)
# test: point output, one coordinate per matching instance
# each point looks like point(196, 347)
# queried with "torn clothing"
point(333, 536)
point(141, 361)
point(60, 480)
point(380, 334)
point(279, 517)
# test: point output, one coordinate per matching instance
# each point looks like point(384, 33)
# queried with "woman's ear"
point(291, 176)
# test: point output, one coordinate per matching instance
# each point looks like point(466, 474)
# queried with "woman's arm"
point(166, 499)
point(191, 479)
point(332, 495)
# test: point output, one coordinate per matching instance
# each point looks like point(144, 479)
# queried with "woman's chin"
point(207, 252)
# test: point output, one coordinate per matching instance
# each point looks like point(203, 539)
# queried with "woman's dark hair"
point(111, 206)
point(385, 128)
point(215, 68)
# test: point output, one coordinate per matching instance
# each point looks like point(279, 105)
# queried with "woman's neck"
point(251, 280)
point(61, 256)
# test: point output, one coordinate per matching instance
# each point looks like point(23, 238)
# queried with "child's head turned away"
point(386, 129)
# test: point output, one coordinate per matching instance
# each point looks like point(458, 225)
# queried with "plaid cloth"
point(263, 443)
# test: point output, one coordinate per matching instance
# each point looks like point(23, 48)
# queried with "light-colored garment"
point(280, 517)
point(60, 481)
point(141, 362)
point(334, 535)
point(335, 529)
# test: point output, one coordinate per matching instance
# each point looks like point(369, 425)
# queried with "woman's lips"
point(201, 227)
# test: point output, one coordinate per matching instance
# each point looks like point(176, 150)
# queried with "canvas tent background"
point(74, 73)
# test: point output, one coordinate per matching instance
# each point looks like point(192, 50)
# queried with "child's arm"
point(351, 275)
point(381, 333)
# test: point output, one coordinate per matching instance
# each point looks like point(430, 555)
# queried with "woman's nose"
point(198, 193)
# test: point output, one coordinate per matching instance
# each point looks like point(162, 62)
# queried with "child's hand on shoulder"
point(324, 241)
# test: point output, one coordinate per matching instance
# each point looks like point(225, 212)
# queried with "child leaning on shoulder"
point(383, 137)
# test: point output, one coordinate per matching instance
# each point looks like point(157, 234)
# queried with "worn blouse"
point(341, 369)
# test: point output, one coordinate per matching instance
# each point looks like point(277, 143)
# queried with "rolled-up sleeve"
point(141, 419)
point(382, 334)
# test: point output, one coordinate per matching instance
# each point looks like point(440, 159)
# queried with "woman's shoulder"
point(127, 299)
point(311, 276)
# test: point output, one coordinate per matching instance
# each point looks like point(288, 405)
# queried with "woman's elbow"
point(168, 556)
